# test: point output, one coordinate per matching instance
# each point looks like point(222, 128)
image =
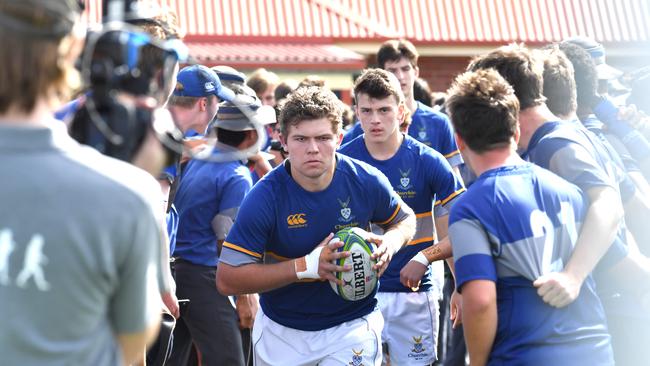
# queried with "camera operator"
point(79, 241)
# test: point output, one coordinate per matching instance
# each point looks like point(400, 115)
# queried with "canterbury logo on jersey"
point(296, 219)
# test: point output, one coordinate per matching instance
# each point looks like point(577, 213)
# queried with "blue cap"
point(201, 81)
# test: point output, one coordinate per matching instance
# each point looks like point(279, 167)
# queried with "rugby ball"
point(361, 280)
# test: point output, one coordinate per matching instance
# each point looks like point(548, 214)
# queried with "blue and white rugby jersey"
point(514, 224)
point(567, 149)
point(422, 177)
point(279, 220)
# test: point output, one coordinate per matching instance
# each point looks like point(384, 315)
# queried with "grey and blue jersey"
point(514, 224)
point(570, 151)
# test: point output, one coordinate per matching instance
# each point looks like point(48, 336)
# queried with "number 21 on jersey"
point(542, 226)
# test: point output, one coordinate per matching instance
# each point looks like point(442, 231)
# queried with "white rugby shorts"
point(410, 326)
point(356, 342)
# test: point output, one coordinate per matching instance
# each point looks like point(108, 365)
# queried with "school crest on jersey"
point(417, 345)
point(405, 180)
point(346, 211)
point(357, 359)
point(422, 133)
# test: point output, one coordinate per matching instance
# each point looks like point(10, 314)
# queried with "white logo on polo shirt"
point(32, 264)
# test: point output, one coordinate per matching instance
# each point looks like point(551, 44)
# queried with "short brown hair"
point(261, 79)
point(378, 84)
point(559, 82)
point(520, 67)
point(189, 102)
point(33, 66)
point(394, 50)
point(483, 110)
point(308, 103)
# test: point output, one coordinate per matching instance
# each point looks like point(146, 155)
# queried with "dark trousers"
point(210, 320)
point(451, 342)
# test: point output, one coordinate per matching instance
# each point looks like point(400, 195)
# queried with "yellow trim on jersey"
point(423, 215)
point(240, 249)
point(456, 152)
point(421, 240)
point(278, 257)
point(391, 217)
point(451, 196)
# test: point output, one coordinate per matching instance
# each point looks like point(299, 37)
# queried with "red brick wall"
point(438, 71)
point(441, 71)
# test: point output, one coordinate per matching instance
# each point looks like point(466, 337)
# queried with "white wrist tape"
point(420, 258)
point(307, 266)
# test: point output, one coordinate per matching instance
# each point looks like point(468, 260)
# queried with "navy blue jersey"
point(422, 177)
point(570, 151)
point(279, 220)
point(429, 127)
point(434, 129)
point(514, 224)
point(351, 134)
point(207, 189)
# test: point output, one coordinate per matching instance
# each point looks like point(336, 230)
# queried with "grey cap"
point(597, 53)
point(230, 117)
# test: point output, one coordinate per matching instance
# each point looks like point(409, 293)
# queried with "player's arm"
point(598, 232)
point(258, 277)
point(479, 319)
point(413, 271)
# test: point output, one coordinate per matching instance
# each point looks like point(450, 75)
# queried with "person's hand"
point(411, 275)
point(318, 264)
point(326, 269)
point(382, 255)
point(558, 289)
point(247, 306)
point(455, 306)
point(171, 303)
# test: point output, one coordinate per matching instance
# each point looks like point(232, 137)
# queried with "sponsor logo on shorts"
point(418, 352)
point(297, 220)
point(357, 358)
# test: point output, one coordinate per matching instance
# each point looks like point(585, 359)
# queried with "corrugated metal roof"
point(249, 55)
point(277, 18)
point(451, 21)
point(534, 21)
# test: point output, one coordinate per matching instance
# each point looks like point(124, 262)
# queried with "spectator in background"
point(208, 201)
point(313, 80)
point(195, 99)
point(600, 104)
point(78, 287)
point(264, 83)
point(348, 117)
point(234, 80)
point(422, 92)
point(284, 89)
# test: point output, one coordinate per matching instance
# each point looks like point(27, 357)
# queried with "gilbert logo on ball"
point(361, 280)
